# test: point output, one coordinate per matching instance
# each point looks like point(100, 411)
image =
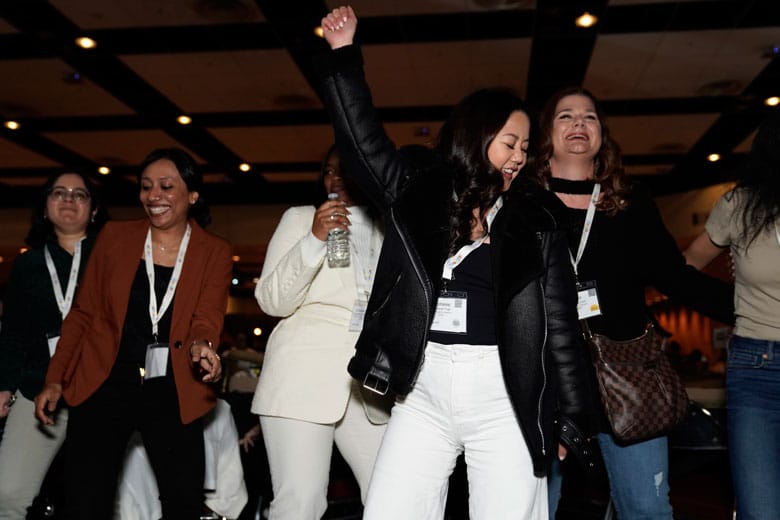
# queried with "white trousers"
point(138, 497)
point(458, 404)
point(26, 452)
point(299, 454)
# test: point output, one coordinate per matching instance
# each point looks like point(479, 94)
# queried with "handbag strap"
point(651, 326)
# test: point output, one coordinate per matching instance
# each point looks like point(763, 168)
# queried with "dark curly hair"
point(463, 143)
point(759, 180)
point(189, 173)
point(608, 169)
point(41, 228)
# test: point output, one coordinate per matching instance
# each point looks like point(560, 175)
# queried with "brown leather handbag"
point(643, 396)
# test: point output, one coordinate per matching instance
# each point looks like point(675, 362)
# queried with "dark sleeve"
point(667, 271)
point(15, 336)
point(369, 155)
point(563, 332)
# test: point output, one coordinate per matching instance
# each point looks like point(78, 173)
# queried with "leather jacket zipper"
point(544, 370)
point(426, 290)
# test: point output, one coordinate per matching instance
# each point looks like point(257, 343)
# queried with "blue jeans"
point(638, 477)
point(753, 396)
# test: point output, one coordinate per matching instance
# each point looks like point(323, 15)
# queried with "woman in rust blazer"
point(129, 362)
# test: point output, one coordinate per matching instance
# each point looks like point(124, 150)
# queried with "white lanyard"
point(453, 261)
point(594, 198)
point(64, 301)
point(154, 313)
point(365, 261)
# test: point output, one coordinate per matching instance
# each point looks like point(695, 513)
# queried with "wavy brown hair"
point(608, 167)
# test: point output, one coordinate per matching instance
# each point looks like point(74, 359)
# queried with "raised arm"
point(371, 158)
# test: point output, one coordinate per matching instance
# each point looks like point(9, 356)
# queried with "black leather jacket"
point(538, 336)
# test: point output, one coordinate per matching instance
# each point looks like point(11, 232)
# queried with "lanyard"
point(154, 313)
point(777, 234)
point(64, 301)
point(453, 261)
point(586, 227)
point(366, 258)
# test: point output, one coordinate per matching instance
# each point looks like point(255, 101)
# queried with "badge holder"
point(587, 300)
point(156, 360)
point(450, 315)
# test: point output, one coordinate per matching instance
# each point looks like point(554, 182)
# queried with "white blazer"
point(304, 374)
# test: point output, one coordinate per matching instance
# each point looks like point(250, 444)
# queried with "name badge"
point(52, 340)
point(358, 315)
point(450, 315)
point(587, 300)
point(156, 360)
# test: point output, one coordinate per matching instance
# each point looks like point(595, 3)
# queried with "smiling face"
point(68, 205)
point(165, 196)
point(576, 129)
point(508, 151)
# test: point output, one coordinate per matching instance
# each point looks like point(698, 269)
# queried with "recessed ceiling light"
point(586, 20)
point(12, 125)
point(244, 167)
point(86, 43)
point(104, 170)
point(236, 258)
point(184, 120)
point(772, 101)
point(713, 157)
point(319, 31)
point(257, 331)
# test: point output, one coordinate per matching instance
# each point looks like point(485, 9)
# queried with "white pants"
point(26, 452)
point(299, 454)
point(459, 403)
point(138, 495)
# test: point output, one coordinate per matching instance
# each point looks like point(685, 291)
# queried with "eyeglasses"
point(61, 193)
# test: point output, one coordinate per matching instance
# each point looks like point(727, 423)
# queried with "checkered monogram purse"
point(642, 395)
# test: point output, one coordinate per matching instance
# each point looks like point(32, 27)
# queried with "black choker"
point(559, 185)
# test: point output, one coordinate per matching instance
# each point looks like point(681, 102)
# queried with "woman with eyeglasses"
point(65, 221)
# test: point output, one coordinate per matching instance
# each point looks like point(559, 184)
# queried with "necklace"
point(168, 248)
point(583, 187)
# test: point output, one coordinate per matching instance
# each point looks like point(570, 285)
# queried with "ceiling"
point(679, 80)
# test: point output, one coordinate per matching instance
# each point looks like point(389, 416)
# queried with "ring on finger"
point(332, 216)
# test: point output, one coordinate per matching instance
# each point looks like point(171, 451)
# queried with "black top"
point(473, 276)
point(630, 251)
point(137, 331)
point(30, 312)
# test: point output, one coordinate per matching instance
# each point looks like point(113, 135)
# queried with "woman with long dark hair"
point(65, 220)
point(472, 319)
point(747, 221)
point(136, 351)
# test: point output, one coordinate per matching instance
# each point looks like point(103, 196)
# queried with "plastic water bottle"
point(338, 243)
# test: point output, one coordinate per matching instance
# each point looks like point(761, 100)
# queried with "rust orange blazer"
point(92, 331)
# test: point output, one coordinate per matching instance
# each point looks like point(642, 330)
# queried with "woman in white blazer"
point(305, 397)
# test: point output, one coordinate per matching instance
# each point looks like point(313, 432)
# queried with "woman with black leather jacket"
point(472, 317)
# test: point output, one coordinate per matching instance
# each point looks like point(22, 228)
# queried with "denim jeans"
point(638, 477)
point(753, 397)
